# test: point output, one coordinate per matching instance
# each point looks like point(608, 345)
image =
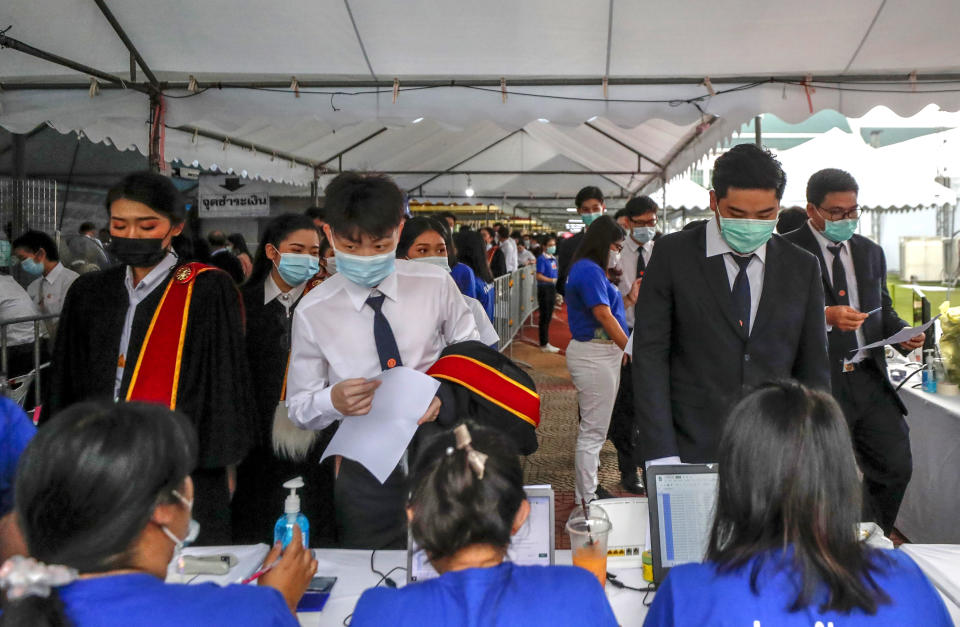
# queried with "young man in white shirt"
point(376, 313)
point(39, 257)
point(509, 248)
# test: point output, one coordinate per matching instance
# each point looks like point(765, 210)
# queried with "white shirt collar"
point(716, 245)
point(272, 291)
point(51, 276)
point(631, 244)
point(824, 242)
point(359, 294)
point(154, 277)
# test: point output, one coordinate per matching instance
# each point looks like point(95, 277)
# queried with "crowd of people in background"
point(191, 378)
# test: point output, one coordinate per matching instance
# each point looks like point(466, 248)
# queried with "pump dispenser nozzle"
point(292, 504)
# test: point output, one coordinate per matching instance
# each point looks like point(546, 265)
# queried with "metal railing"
point(32, 378)
point(515, 301)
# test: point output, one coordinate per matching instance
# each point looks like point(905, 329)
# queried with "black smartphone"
point(321, 584)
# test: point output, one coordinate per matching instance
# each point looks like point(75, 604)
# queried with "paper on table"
point(900, 336)
point(378, 439)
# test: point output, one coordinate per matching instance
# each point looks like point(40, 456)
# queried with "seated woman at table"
point(104, 498)
point(466, 501)
point(784, 548)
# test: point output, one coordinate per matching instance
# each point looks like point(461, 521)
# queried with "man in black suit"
point(589, 202)
point(854, 277)
point(639, 220)
point(723, 307)
point(221, 257)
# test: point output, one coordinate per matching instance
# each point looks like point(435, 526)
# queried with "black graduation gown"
point(260, 495)
point(214, 387)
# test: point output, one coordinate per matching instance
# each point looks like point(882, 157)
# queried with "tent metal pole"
point(107, 13)
point(460, 163)
point(757, 131)
point(10, 42)
point(340, 154)
point(698, 132)
point(243, 144)
point(625, 145)
point(440, 173)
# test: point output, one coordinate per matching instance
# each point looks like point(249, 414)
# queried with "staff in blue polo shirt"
point(599, 330)
point(547, 291)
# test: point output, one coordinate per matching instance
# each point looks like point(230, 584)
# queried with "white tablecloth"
point(941, 564)
point(352, 569)
point(931, 508)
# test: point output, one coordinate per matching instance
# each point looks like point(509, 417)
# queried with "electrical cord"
point(616, 583)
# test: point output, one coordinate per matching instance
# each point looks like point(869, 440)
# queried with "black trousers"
point(546, 300)
point(211, 506)
point(881, 440)
point(370, 515)
point(623, 428)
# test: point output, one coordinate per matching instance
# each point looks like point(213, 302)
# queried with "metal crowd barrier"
point(515, 301)
point(19, 387)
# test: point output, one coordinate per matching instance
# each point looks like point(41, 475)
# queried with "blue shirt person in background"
point(467, 542)
point(788, 477)
point(547, 292)
point(16, 430)
point(104, 491)
point(470, 252)
point(588, 287)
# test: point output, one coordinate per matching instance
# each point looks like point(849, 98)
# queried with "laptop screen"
point(532, 545)
point(685, 500)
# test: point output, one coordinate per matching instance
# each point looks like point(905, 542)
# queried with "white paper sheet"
point(378, 439)
point(900, 336)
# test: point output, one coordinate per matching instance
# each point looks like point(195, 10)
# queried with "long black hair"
point(161, 195)
point(471, 253)
point(87, 485)
point(788, 477)
point(275, 232)
point(239, 243)
point(597, 241)
point(415, 227)
point(452, 508)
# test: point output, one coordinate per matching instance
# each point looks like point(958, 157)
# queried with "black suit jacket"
point(870, 266)
point(691, 359)
point(565, 250)
point(229, 263)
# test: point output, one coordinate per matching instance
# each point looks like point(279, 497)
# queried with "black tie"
point(383, 335)
point(741, 292)
point(847, 339)
point(641, 264)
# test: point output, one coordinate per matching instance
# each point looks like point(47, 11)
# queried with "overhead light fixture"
point(543, 120)
point(572, 209)
point(469, 191)
point(418, 121)
point(593, 118)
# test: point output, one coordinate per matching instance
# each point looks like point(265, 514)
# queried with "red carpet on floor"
point(559, 331)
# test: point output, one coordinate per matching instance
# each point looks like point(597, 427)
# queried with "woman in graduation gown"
point(285, 268)
point(160, 330)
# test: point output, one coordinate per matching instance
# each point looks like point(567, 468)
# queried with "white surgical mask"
point(193, 528)
point(331, 264)
point(614, 260)
point(440, 262)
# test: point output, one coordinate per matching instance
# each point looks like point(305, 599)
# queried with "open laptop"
point(531, 546)
point(682, 502)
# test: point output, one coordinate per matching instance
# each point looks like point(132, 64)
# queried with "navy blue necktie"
point(641, 264)
point(847, 339)
point(741, 292)
point(383, 335)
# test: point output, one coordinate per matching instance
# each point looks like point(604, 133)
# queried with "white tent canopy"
point(883, 183)
point(654, 117)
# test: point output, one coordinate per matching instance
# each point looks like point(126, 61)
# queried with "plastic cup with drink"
point(589, 527)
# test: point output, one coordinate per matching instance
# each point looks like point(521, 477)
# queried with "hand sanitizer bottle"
point(283, 530)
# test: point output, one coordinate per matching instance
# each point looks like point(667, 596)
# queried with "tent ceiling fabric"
point(460, 40)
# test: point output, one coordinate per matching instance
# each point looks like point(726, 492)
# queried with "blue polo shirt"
point(465, 278)
point(697, 594)
point(547, 266)
point(16, 431)
point(587, 287)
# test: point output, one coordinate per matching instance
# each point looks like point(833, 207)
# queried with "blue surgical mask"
point(588, 218)
point(643, 234)
point(840, 230)
point(440, 262)
point(32, 267)
point(296, 268)
point(745, 235)
point(365, 270)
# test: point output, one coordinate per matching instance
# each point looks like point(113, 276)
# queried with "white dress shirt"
point(272, 291)
point(49, 290)
point(853, 292)
point(509, 248)
point(15, 303)
point(628, 266)
point(716, 245)
point(153, 280)
point(333, 333)
point(488, 334)
point(526, 258)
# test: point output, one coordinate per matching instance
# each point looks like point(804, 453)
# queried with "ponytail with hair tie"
point(23, 577)
point(475, 459)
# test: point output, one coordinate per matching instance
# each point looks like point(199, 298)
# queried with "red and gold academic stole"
point(490, 384)
point(162, 349)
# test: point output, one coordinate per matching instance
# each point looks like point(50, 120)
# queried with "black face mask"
point(137, 252)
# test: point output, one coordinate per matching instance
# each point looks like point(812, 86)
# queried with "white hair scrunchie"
point(26, 577)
